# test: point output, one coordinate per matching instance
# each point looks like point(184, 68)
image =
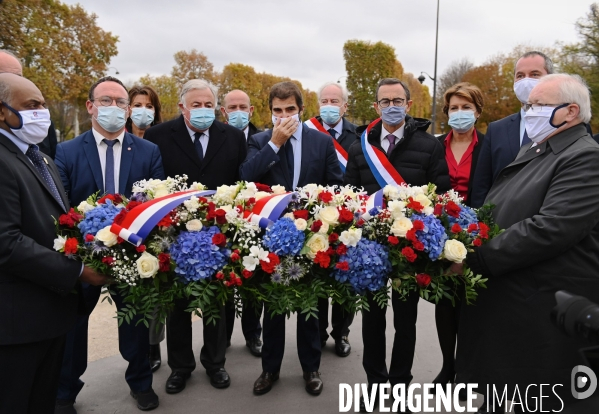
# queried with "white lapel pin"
point(128, 148)
point(45, 160)
point(538, 150)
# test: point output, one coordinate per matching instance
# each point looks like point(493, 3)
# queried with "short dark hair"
point(154, 99)
point(90, 96)
point(284, 90)
point(548, 62)
point(392, 81)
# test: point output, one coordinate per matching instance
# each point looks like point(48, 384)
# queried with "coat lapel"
point(513, 134)
point(93, 158)
point(127, 154)
point(216, 139)
point(183, 140)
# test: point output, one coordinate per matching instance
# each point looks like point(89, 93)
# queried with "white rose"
point(59, 243)
point(246, 194)
point(250, 262)
point(278, 189)
point(147, 265)
point(261, 194)
point(301, 224)
point(289, 216)
point(317, 243)
point(422, 199)
point(160, 190)
point(106, 236)
point(428, 210)
point(197, 186)
point(350, 237)
point(194, 225)
point(324, 228)
point(84, 207)
point(396, 208)
point(192, 204)
point(329, 215)
point(454, 251)
point(311, 188)
point(400, 226)
point(391, 191)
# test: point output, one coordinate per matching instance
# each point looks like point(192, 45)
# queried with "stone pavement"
point(106, 391)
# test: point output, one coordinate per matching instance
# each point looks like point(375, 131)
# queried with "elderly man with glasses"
point(420, 159)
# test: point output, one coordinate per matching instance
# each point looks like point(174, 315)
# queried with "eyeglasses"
point(383, 103)
point(107, 101)
point(537, 107)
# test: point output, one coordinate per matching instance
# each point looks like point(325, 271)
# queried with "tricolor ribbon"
point(375, 201)
point(341, 153)
point(384, 172)
point(268, 209)
point(140, 221)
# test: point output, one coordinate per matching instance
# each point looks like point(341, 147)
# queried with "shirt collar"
point(23, 146)
point(99, 137)
point(338, 128)
point(398, 133)
point(192, 133)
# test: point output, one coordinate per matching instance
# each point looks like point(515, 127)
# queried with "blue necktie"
point(525, 139)
point(198, 145)
point(289, 156)
point(333, 133)
point(39, 163)
point(109, 170)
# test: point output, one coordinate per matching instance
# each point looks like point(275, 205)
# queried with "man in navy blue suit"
point(292, 155)
point(109, 160)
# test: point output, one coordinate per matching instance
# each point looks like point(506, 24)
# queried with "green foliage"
point(168, 91)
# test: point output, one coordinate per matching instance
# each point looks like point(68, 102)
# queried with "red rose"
point(108, 260)
point(263, 187)
point(333, 237)
point(166, 221)
point(234, 257)
point(342, 266)
point(227, 283)
point(238, 281)
point(484, 230)
point(132, 205)
point(477, 242)
point(70, 246)
point(418, 225)
point(220, 216)
point(118, 219)
point(393, 240)
point(246, 273)
point(452, 209)
point(316, 226)
point(70, 219)
point(106, 197)
point(345, 216)
point(423, 280)
point(438, 209)
point(269, 267)
point(411, 235)
point(456, 228)
point(219, 239)
point(141, 248)
point(303, 214)
point(341, 249)
point(418, 245)
point(322, 259)
point(211, 206)
point(472, 227)
point(202, 200)
point(251, 200)
point(409, 254)
point(325, 197)
point(414, 205)
point(330, 251)
point(118, 199)
point(89, 238)
point(220, 275)
point(164, 260)
point(210, 215)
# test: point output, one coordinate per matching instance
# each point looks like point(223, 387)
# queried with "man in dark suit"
point(38, 295)
point(332, 99)
point(106, 159)
point(290, 155)
point(208, 152)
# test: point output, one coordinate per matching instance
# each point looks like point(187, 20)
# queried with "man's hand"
point(456, 269)
point(94, 278)
point(283, 130)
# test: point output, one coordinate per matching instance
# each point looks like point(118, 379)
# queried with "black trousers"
point(29, 376)
point(179, 341)
point(340, 320)
point(374, 324)
point(273, 348)
point(250, 320)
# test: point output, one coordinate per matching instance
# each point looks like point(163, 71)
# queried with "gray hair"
point(5, 92)
point(198, 84)
point(344, 93)
point(572, 89)
point(10, 53)
point(548, 62)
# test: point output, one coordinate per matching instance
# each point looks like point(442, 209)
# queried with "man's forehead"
point(392, 91)
point(111, 89)
point(284, 103)
point(237, 99)
point(331, 90)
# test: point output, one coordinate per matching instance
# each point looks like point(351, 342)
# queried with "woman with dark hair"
point(463, 105)
point(145, 110)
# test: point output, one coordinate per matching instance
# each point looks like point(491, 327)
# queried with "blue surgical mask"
point(462, 121)
point(142, 117)
point(330, 114)
point(201, 118)
point(393, 115)
point(111, 118)
point(238, 119)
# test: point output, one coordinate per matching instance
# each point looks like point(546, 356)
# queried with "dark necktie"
point(289, 156)
point(39, 163)
point(525, 139)
point(109, 171)
point(391, 138)
point(333, 133)
point(198, 145)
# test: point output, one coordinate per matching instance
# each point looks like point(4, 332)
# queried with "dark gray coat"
point(548, 202)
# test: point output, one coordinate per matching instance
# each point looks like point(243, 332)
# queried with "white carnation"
point(350, 237)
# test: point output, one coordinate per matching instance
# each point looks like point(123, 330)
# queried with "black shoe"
point(462, 394)
point(342, 347)
point(374, 406)
point(176, 382)
point(229, 343)
point(147, 400)
point(154, 356)
point(323, 343)
point(219, 378)
point(444, 377)
point(255, 346)
point(64, 407)
point(264, 382)
point(313, 382)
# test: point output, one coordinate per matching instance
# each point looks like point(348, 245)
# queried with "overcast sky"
point(304, 39)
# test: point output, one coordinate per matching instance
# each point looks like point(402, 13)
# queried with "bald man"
point(38, 294)
point(238, 111)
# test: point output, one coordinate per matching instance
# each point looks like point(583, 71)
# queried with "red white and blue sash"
point(341, 153)
point(268, 209)
point(384, 172)
point(140, 221)
point(375, 201)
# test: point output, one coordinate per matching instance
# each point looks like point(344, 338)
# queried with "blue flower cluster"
point(98, 218)
point(467, 216)
point(195, 255)
point(368, 266)
point(283, 238)
point(433, 236)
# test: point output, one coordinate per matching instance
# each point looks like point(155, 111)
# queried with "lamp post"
point(339, 80)
point(421, 78)
point(116, 71)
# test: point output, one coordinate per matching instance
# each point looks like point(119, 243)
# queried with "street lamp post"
point(421, 78)
point(116, 71)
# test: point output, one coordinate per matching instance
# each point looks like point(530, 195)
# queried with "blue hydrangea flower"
point(195, 255)
point(98, 218)
point(368, 266)
point(433, 236)
point(467, 216)
point(283, 238)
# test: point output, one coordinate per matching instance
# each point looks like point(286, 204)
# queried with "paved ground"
point(106, 391)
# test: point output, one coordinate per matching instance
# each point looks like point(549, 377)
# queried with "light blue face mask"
point(142, 117)
point(462, 121)
point(393, 115)
point(111, 118)
point(238, 119)
point(201, 118)
point(330, 114)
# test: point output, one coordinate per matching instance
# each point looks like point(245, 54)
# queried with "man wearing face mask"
point(108, 160)
point(291, 155)
point(208, 152)
point(420, 159)
point(40, 287)
point(545, 202)
point(238, 111)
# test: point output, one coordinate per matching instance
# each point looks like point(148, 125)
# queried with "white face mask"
point(34, 128)
point(296, 117)
point(523, 87)
point(539, 125)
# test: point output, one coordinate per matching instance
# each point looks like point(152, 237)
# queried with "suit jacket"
point(348, 134)
point(37, 296)
point(545, 200)
point(220, 166)
point(48, 145)
point(475, 154)
point(79, 164)
point(319, 161)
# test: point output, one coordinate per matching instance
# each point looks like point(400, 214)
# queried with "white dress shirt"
point(296, 143)
point(203, 139)
point(338, 128)
point(117, 149)
point(522, 125)
point(399, 134)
